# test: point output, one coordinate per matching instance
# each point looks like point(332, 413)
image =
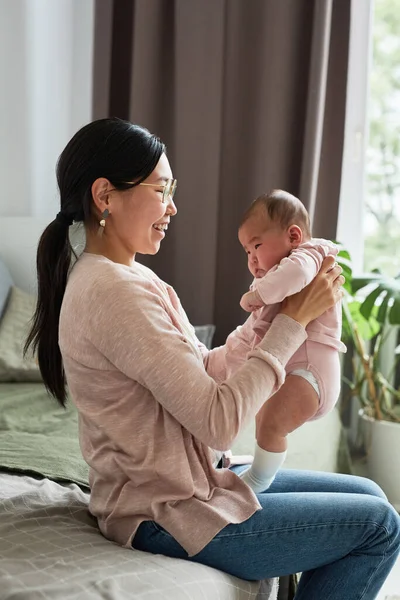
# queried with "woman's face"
point(138, 217)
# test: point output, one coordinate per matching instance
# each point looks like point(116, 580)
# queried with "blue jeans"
point(339, 531)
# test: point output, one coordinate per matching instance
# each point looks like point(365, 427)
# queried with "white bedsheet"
point(51, 548)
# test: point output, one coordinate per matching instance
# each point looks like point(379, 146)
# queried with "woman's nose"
point(171, 208)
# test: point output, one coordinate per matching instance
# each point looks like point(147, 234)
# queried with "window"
point(382, 198)
point(353, 183)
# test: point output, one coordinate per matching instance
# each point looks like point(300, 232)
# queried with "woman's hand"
point(322, 293)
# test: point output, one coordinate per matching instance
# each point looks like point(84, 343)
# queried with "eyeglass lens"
point(169, 189)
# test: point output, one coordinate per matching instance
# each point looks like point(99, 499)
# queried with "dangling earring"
point(104, 217)
point(102, 222)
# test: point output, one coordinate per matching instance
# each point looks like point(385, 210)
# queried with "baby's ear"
point(295, 236)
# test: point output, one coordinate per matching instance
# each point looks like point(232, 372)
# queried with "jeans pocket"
point(158, 528)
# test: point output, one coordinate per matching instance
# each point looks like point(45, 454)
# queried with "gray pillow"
point(5, 286)
point(14, 328)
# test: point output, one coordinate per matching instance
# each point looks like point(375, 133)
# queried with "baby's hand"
point(251, 301)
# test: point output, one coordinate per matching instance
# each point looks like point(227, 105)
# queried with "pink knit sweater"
point(153, 402)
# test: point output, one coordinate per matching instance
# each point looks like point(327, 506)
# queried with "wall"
point(46, 49)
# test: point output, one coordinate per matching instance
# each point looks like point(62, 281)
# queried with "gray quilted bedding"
point(51, 548)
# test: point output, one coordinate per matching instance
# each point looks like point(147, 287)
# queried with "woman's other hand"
point(317, 297)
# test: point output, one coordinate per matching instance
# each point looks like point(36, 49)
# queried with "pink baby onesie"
point(319, 354)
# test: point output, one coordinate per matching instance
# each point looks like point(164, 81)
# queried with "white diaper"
point(308, 376)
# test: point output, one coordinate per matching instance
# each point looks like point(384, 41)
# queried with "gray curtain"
point(247, 95)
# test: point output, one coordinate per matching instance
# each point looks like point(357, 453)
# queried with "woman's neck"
point(101, 245)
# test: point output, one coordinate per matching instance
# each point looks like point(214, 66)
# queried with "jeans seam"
point(381, 561)
point(376, 568)
point(291, 529)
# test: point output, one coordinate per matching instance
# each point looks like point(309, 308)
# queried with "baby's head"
point(272, 226)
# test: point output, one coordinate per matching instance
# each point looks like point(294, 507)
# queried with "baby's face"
point(265, 245)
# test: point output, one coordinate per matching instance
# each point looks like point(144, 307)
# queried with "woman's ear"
point(295, 236)
point(101, 191)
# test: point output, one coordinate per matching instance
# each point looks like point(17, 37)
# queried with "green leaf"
point(362, 282)
point(347, 274)
point(394, 313)
point(346, 271)
point(382, 311)
point(344, 262)
point(353, 317)
point(369, 302)
point(344, 254)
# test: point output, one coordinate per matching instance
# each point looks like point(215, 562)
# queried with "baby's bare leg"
point(296, 402)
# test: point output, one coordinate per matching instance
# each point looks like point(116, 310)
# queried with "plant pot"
point(382, 445)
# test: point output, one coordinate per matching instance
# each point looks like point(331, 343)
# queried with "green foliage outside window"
point(382, 236)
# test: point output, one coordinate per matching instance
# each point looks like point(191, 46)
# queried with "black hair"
point(111, 148)
point(281, 208)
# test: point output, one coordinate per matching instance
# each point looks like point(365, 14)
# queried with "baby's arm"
point(251, 301)
point(290, 276)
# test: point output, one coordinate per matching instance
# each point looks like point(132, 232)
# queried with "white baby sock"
point(261, 473)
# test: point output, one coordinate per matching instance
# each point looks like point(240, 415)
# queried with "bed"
point(50, 545)
point(51, 549)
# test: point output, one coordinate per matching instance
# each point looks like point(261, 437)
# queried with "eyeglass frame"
point(168, 192)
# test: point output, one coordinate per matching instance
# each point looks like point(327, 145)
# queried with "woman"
point(153, 402)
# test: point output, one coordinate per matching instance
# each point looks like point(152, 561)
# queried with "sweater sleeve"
point(130, 325)
point(290, 276)
point(224, 360)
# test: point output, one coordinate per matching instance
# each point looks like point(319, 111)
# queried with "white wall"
point(18, 244)
point(19, 237)
point(46, 53)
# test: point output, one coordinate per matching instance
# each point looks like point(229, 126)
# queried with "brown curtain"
point(248, 96)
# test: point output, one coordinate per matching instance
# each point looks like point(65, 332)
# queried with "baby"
point(283, 258)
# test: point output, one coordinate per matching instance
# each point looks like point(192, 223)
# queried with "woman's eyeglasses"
point(168, 188)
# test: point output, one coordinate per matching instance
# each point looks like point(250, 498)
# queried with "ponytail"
point(53, 264)
point(111, 148)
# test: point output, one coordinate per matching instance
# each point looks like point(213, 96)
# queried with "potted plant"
point(371, 315)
